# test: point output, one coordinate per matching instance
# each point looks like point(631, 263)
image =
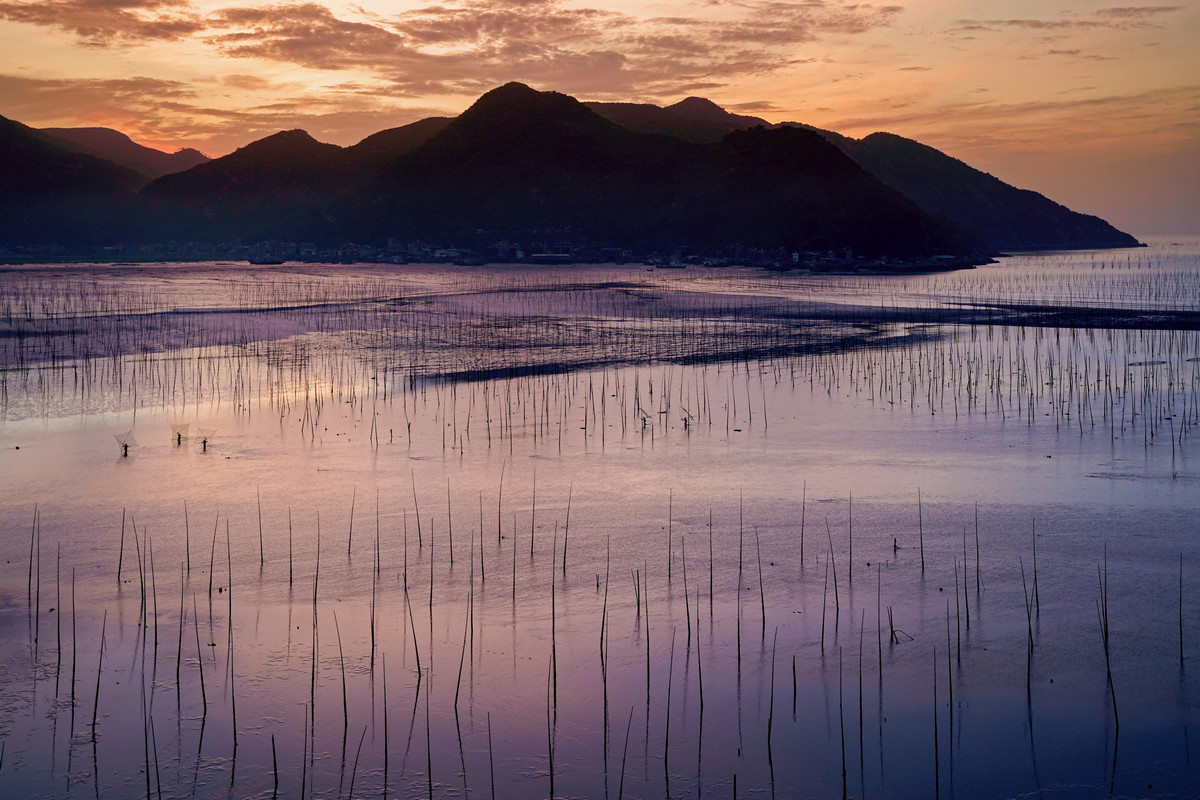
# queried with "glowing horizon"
point(1097, 106)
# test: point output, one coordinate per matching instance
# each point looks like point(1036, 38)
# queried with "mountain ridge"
point(279, 185)
point(54, 192)
point(703, 109)
point(1001, 215)
point(120, 149)
point(521, 160)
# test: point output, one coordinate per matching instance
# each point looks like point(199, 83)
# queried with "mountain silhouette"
point(543, 167)
point(995, 213)
point(699, 109)
point(120, 149)
point(37, 165)
point(694, 119)
point(1002, 216)
point(380, 149)
point(277, 187)
point(790, 188)
point(521, 161)
point(518, 125)
point(53, 192)
point(647, 118)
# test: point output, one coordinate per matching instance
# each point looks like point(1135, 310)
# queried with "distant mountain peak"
point(515, 123)
point(521, 161)
point(282, 146)
point(1001, 216)
point(516, 100)
point(95, 134)
point(509, 97)
point(697, 105)
point(388, 144)
point(119, 148)
point(294, 136)
point(513, 88)
point(700, 108)
point(34, 160)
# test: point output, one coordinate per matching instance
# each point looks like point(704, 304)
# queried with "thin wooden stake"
point(921, 528)
point(99, 667)
point(261, 557)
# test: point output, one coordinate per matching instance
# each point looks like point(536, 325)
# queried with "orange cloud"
point(100, 23)
point(468, 46)
point(1118, 17)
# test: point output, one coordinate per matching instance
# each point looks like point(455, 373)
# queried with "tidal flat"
point(601, 531)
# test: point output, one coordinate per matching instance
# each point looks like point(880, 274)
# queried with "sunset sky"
point(1094, 104)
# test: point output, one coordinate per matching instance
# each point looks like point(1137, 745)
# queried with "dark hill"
point(515, 124)
point(1002, 216)
point(120, 149)
point(701, 110)
point(381, 148)
point(51, 193)
point(277, 187)
point(288, 162)
point(790, 188)
point(519, 161)
point(693, 119)
point(1005, 217)
point(544, 167)
point(34, 164)
point(647, 118)
point(993, 212)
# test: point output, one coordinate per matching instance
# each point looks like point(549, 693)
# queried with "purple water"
point(436, 423)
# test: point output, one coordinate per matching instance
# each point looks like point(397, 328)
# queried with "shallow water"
point(492, 460)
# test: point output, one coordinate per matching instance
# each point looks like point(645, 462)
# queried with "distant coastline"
point(828, 262)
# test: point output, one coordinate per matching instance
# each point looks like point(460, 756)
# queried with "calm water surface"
point(601, 531)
